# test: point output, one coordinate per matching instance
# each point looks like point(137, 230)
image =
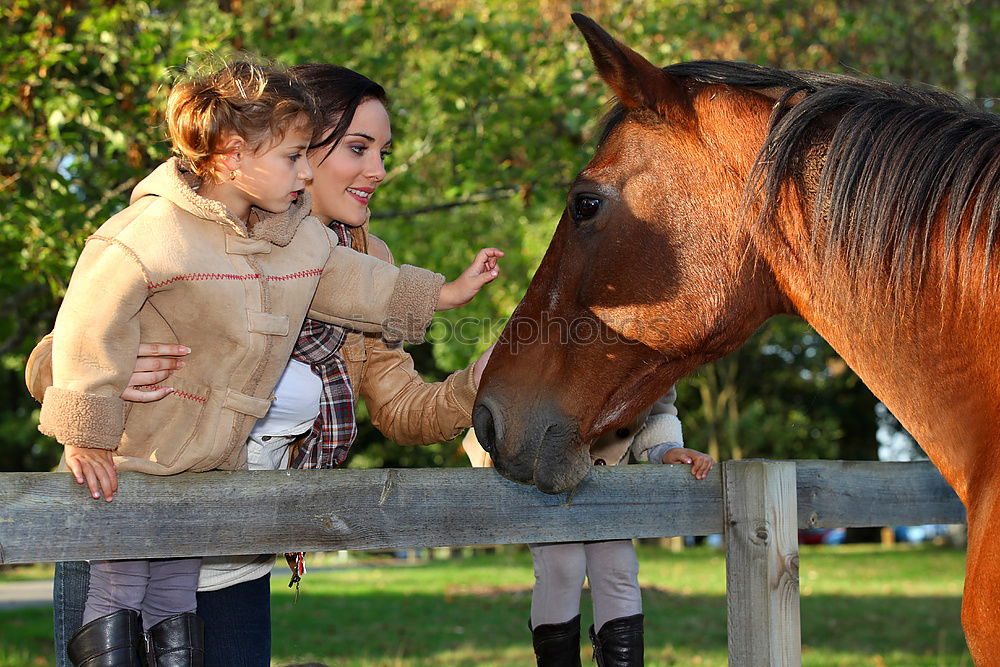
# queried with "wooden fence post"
point(762, 563)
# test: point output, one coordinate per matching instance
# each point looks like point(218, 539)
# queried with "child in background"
point(610, 566)
point(216, 251)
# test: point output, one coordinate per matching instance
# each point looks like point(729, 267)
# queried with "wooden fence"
point(757, 504)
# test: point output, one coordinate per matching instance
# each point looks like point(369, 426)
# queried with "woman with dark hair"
point(311, 423)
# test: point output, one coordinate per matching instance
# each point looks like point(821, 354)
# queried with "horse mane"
point(905, 164)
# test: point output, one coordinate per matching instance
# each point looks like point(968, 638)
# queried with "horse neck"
point(931, 363)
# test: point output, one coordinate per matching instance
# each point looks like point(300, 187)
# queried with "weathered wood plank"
point(762, 564)
point(48, 517)
point(834, 494)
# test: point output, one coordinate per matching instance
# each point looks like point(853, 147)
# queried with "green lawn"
point(861, 605)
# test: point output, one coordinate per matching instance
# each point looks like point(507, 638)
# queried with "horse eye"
point(585, 207)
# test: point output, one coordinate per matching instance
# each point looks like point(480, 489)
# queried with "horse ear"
point(635, 81)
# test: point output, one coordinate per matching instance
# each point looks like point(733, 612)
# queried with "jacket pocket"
point(354, 348)
point(160, 431)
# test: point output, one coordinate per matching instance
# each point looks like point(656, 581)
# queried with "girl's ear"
point(232, 152)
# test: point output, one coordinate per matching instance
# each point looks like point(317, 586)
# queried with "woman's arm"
point(401, 404)
point(155, 363)
point(407, 409)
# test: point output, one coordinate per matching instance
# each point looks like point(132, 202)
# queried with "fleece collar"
point(171, 181)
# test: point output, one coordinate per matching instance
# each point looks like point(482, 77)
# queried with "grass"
point(861, 605)
point(27, 572)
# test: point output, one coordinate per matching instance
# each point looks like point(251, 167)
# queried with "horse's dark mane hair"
point(904, 164)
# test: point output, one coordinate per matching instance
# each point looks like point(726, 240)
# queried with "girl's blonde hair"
point(256, 102)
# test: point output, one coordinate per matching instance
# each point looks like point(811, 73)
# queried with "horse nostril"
point(482, 420)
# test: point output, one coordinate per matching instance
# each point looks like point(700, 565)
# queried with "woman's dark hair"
point(338, 92)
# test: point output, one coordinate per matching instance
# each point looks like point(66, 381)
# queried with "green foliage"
point(494, 108)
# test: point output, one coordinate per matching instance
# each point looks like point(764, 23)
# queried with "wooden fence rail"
point(757, 504)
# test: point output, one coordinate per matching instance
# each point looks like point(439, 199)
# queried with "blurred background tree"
point(494, 107)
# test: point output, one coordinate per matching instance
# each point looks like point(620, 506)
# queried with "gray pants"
point(158, 589)
point(611, 568)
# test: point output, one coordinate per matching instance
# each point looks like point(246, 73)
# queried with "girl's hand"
point(96, 468)
point(154, 364)
point(700, 463)
point(483, 269)
point(480, 365)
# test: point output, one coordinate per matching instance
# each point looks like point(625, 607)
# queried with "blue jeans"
point(69, 597)
point(238, 624)
point(237, 619)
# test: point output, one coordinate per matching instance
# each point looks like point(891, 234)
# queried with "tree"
point(494, 106)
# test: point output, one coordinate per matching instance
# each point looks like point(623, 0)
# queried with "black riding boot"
point(619, 643)
point(557, 644)
point(114, 640)
point(178, 641)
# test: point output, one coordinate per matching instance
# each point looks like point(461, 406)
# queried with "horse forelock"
point(905, 175)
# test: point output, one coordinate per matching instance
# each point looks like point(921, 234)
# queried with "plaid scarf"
point(334, 430)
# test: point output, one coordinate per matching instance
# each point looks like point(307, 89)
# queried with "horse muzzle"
point(544, 449)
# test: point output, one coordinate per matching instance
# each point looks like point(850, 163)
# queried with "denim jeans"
point(238, 624)
point(69, 596)
point(237, 619)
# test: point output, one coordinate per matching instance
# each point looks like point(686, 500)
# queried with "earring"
point(232, 174)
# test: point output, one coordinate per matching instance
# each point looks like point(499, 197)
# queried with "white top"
point(296, 403)
point(293, 411)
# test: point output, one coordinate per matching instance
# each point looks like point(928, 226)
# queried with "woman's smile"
point(361, 194)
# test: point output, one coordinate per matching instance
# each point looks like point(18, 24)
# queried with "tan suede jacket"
point(401, 405)
point(177, 267)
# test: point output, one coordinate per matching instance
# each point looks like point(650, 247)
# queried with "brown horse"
point(723, 193)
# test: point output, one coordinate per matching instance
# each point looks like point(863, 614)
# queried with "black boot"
point(557, 644)
point(114, 640)
point(178, 641)
point(619, 643)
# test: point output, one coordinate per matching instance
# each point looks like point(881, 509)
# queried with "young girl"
point(234, 591)
point(216, 250)
point(610, 566)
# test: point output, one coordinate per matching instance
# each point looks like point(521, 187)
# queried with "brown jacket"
point(176, 267)
point(401, 405)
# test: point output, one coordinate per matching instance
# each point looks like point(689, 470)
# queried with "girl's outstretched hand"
point(96, 468)
point(484, 269)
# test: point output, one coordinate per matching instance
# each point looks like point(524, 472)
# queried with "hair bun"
point(255, 102)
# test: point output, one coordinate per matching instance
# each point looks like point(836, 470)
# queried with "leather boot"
point(619, 643)
point(178, 641)
point(114, 640)
point(557, 644)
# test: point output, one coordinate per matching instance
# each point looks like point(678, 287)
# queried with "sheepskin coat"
point(177, 267)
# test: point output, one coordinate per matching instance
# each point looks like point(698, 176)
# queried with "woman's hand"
point(480, 365)
point(96, 468)
point(154, 364)
point(700, 463)
point(484, 269)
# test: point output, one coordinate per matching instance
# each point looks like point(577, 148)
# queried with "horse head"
point(649, 273)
